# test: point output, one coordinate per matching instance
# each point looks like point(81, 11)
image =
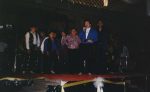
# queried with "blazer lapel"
point(89, 34)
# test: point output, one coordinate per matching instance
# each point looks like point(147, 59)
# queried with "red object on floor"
point(68, 77)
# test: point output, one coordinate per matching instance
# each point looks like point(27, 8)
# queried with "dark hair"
point(32, 26)
point(87, 21)
point(70, 29)
point(102, 20)
point(51, 32)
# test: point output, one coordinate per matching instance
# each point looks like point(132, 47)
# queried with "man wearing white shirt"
point(88, 36)
point(87, 32)
point(32, 39)
point(32, 44)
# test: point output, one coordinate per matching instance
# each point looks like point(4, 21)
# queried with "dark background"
point(129, 20)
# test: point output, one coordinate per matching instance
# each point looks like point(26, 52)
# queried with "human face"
point(100, 23)
point(33, 29)
point(87, 24)
point(73, 32)
point(52, 35)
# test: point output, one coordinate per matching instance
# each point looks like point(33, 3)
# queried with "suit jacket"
point(103, 37)
point(48, 46)
point(93, 35)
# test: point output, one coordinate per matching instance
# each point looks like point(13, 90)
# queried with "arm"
point(81, 36)
point(79, 40)
point(95, 36)
point(27, 36)
point(63, 41)
point(46, 46)
point(38, 41)
point(58, 48)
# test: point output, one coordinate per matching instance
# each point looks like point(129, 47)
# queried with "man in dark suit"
point(51, 49)
point(89, 38)
point(102, 46)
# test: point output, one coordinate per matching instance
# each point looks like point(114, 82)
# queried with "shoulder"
point(81, 32)
point(93, 29)
point(27, 34)
point(47, 40)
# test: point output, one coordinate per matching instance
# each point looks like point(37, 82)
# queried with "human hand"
point(90, 41)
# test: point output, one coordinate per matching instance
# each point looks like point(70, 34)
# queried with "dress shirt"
point(71, 42)
point(87, 32)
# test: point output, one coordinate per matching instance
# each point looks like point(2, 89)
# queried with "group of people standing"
point(76, 52)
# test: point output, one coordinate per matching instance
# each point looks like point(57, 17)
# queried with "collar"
point(32, 32)
point(88, 28)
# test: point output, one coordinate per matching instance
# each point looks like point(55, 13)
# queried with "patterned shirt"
point(71, 42)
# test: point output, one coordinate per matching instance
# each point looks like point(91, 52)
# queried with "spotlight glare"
point(105, 3)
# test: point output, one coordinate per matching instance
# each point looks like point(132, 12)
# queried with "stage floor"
point(76, 77)
point(67, 77)
point(41, 82)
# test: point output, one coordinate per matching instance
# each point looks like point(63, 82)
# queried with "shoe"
point(52, 72)
point(89, 73)
point(80, 73)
